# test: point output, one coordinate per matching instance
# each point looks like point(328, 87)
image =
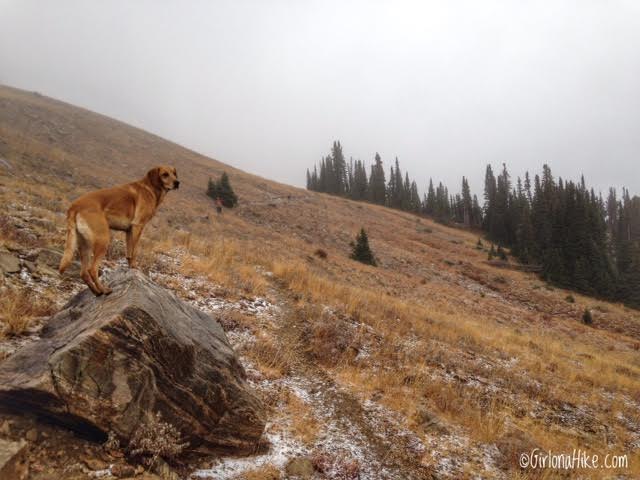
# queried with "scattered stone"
point(9, 263)
point(111, 362)
point(122, 470)
point(95, 464)
point(31, 435)
point(48, 261)
point(299, 467)
point(164, 471)
point(13, 460)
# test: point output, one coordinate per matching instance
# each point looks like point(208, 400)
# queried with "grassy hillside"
point(435, 363)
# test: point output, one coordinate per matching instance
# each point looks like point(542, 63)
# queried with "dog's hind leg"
point(100, 245)
point(84, 248)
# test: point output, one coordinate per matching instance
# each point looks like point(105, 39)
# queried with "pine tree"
point(377, 182)
point(359, 189)
point(467, 204)
point(222, 189)
point(361, 250)
point(430, 201)
point(339, 169)
point(212, 189)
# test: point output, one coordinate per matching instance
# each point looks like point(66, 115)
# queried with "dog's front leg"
point(133, 235)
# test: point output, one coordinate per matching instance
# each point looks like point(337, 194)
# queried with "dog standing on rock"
point(126, 208)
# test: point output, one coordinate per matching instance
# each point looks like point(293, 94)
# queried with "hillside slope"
point(433, 364)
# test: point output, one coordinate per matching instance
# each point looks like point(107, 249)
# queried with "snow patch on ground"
point(282, 448)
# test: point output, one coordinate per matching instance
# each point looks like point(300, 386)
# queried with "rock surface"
point(9, 263)
point(299, 467)
point(13, 460)
point(48, 259)
point(109, 363)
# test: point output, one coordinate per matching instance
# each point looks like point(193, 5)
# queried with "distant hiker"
point(219, 205)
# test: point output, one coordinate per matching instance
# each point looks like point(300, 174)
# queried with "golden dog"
point(126, 208)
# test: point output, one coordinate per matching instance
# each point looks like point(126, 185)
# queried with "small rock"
point(164, 471)
point(5, 428)
point(48, 261)
point(122, 470)
point(95, 464)
point(31, 435)
point(9, 263)
point(13, 463)
point(147, 476)
point(299, 467)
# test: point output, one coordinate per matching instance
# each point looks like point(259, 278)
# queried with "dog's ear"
point(153, 176)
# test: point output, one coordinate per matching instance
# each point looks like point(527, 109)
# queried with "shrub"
point(479, 245)
point(570, 299)
point(156, 439)
point(361, 250)
point(492, 252)
point(502, 255)
point(265, 472)
point(222, 189)
point(587, 319)
point(321, 253)
point(328, 338)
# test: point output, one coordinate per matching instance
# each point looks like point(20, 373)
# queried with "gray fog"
point(266, 86)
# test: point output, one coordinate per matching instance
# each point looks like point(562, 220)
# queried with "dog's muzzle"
point(176, 184)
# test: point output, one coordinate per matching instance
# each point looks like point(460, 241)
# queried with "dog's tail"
point(72, 242)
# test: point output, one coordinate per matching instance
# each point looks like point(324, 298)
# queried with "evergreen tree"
point(212, 189)
point(361, 250)
point(430, 201)
point(359, 189)
point(467, 204)
point(377, 182)
point(222, 189)
point(225, 192)
point(339, 170)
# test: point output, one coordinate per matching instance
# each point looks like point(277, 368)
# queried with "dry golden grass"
point(223, 262)
point(266, 472)
point(18, 309)
point(304, 425)
point(272, 357)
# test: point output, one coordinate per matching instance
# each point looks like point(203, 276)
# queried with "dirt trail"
point(349, 429)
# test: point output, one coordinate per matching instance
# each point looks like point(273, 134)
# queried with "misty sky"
point(266, 86)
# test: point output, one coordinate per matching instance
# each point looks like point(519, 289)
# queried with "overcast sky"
point(266, 86)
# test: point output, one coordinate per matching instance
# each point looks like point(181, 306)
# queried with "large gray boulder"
point(109, 363)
